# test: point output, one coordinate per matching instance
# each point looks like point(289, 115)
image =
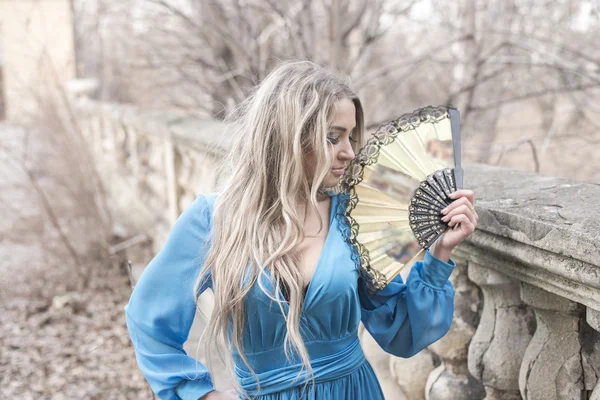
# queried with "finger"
point(469, 194)
point(465, 224)
point(457, 203)
point(465, 227)
point(463, 209)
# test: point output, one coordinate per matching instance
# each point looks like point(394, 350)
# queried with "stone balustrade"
point(153, 162)
point(527, 310)
point(536, 258)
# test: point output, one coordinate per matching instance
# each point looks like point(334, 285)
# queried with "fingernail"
point(445, 210)
point(452, 194)
point(445, 219)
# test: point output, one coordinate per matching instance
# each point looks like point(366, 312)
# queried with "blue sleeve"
point(406, 318)
point(162, 306)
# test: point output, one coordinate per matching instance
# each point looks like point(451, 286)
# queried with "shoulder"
point(195, 222)
point(210, 198)
point(205, 201)
point(201, 209)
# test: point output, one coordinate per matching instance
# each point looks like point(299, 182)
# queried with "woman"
point(288, 298)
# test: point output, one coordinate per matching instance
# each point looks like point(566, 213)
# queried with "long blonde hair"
point(256, 223)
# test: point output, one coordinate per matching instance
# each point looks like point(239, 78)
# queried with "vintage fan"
point(395, 188)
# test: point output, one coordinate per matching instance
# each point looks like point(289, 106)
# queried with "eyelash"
point(335, 141)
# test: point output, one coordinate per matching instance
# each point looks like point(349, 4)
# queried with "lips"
point(338, 171)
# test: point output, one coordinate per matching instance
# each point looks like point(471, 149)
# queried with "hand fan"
point(393, 192)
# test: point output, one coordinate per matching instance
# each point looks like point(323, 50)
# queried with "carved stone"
point(410, 375)
point(589, 337)
point(542, 231)
point(552, 365)
point(406, 380)
point(452, 380)
point(505, 329)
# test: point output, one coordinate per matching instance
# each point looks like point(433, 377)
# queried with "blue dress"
point(403, 318)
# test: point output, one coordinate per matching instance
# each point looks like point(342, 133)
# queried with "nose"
point(346, 153)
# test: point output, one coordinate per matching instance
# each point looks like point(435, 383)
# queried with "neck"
point(322, 195)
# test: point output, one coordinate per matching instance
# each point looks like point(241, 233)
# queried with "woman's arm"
point(406, 318)
point(162, 308)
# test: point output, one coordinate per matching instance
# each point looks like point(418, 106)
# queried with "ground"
point(62, 328)
point(58, 341)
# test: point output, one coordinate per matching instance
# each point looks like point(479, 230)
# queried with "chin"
point(331, 180)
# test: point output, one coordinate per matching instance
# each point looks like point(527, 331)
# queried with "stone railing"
point(536, 258)
point(527, 308)
point(153, 162)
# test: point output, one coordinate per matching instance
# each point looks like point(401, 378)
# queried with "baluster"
point(169, 160)
point(552, 365)
point(451, 380)
point(134, 162)
point(400, 378)
point(589, 337)
point(505, 329)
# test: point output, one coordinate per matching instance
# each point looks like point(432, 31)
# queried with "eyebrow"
point(340, 128)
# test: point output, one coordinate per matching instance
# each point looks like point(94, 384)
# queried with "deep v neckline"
point(307, 289)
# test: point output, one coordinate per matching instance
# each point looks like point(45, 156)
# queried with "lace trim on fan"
point(353, 175)
point(374, 280)
point(342, 217)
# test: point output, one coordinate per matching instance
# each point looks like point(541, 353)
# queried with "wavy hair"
point(256, 221)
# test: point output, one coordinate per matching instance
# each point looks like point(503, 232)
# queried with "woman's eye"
point(332, 140)
point(352, 139)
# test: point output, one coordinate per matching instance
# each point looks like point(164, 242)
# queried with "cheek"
point(310, 161)
point(336, 152)
point(333, 152)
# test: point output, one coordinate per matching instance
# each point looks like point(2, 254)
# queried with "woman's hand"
point(461, 218)
point(216, 395)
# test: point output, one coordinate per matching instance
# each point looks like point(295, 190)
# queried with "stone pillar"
point(133, 159)
point(504, 331)
point(410, 375)
point(552, 365)
point(589, 337)
point(400, 378)
point(451, 380)
point(171, 176)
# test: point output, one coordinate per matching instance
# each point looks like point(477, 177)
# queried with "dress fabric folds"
point(403, 318)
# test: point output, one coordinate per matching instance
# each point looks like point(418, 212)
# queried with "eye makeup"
point(334, 139)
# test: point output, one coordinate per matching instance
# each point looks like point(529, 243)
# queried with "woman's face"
point(340, 141)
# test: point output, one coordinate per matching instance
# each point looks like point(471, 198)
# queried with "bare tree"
point(206, 55)
point(486, 57)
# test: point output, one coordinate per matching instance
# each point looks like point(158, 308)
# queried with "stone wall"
point(527, 309)
point(153, 163)
point(536, 258)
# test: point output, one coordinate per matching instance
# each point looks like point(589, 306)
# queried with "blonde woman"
point(288, 298)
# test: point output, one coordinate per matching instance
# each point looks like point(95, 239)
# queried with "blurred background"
point(110, 125)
